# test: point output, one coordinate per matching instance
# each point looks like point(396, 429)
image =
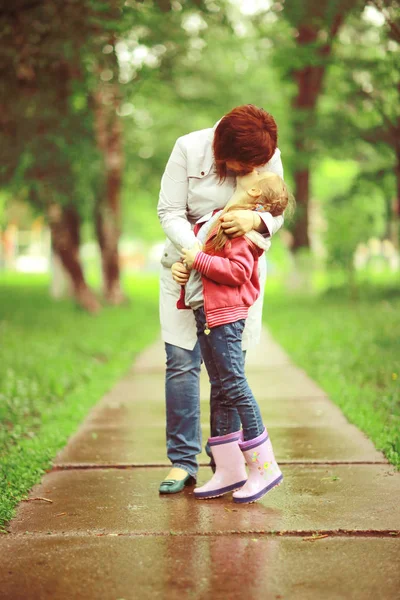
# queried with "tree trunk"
point(107, 211)
point(60, 284)
point(300, 231)
point(64, 228)
point(395, 221)
point(309, 85)
point(108, 232)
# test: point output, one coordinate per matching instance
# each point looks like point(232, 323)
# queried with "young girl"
point(230, 285)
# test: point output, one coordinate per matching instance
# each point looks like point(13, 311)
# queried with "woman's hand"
point(180, 273)
point(238, 222)
point(189, 256)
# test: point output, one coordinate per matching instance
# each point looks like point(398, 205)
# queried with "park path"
point(331, 531)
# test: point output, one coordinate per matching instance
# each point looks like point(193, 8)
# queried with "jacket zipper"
point(206, 329)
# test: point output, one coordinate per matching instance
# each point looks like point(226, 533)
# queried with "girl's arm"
point(233, 269)
point(172, 202)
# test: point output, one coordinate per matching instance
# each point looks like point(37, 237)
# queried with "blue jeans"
point(182, 394)
point(231, 395)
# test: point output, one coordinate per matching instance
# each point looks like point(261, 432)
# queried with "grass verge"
point(352, 349)
point(56, 362)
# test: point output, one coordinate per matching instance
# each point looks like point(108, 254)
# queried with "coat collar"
point(208, 161)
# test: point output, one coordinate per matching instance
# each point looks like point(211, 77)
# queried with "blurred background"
point(93, 96)
point(96, 93)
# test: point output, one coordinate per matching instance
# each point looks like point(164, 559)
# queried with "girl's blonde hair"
point(275, 198)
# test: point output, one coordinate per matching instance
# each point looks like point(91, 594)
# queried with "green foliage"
point(56, 364)
point(180, 70)
point(360, 213)
point(351, 350)
point(333, 177)
point(359, 113)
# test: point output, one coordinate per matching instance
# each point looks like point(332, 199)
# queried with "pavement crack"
point(88, 466)
point(307, 533)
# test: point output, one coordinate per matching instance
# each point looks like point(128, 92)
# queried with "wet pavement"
point(331, 530)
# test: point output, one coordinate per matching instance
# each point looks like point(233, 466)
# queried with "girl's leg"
point(226, 355)
point(216, 399)
point(224, 418)
point(264, 472)
point(182, 393)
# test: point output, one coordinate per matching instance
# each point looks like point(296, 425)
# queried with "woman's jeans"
point(182, 394)
point(231, 396)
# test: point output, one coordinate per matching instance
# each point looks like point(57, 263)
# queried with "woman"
point(200, 177)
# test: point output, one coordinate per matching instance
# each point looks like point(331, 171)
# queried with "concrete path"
point(331, 531)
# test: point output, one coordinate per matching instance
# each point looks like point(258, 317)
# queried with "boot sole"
point(259, 495)
point(217, 493)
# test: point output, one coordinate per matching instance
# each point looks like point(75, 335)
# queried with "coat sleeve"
point(233, 269)
point(172, 202)
point(273, 223)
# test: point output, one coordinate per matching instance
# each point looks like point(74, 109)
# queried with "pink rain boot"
point(230, 472)
point(264, 471)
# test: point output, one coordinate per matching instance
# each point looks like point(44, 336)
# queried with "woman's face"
point(237, 168)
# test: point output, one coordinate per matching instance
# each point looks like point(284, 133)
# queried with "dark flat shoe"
point(173, 486)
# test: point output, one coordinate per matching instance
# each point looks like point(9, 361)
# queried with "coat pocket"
point(170, 255)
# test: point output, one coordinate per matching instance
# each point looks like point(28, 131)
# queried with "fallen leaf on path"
point(38, 498)
point(312, 538)
point(230, 509)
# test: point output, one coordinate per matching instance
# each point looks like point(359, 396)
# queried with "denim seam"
point(222, 391)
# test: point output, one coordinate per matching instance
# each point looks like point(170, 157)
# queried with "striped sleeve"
point(202, 262)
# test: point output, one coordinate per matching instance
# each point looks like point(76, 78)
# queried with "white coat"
point(189, 191)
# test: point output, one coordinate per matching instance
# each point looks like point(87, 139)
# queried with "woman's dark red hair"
point(248, 135)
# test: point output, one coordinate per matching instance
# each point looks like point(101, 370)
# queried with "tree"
point(40, 121)
point(64, 78)
point(315, 25)
point(362, 112)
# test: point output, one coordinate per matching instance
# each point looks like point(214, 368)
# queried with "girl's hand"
point(189, 256)
point(180, 273)
point(238, 222)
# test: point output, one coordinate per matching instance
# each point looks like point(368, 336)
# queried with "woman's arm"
point(238, 222)
point(172, 202)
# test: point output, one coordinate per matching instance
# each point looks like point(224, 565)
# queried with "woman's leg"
point(182, 393)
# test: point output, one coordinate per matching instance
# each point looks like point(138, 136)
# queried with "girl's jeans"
point(231, 395)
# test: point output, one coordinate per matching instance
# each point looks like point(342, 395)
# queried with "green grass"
point(352, 349)
point(56, 362)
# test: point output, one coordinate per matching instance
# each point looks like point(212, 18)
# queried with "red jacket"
point(230, 281)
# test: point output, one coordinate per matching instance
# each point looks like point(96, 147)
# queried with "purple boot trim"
point(260, 494)
point(255, 441)
point(220, 491)
point(224, 439)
